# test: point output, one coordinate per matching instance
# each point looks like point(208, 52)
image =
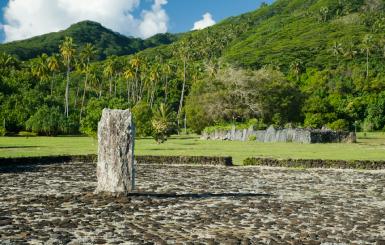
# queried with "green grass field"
point(370, 146)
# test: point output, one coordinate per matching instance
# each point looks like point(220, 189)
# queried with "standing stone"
point(116, 136)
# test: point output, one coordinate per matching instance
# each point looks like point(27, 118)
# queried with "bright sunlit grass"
point(370, 146)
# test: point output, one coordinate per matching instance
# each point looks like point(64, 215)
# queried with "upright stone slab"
point(116, 136)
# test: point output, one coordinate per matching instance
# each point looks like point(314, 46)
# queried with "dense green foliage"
point(106, 42)
point(310, 63)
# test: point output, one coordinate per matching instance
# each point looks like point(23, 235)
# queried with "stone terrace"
point(55, 204)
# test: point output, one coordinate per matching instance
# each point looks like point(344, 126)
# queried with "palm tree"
point(166, 71)
point(324, 12)
point(183, 51)
point(109, 70)
point(53, 66)
point(136, 64)
point(366, 47)
point(162, 123)
point(337, 50)
point(154, 77)
point(67, 50)
point(40, 67)
point(350, 51)
point(296, 67)
point(128, 74)
point(86, 55)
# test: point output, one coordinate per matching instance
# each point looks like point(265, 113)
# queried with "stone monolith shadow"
point(116, 138)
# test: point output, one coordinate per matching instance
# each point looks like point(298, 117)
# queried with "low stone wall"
point(271, 135)
point(314, 163)
point(201, 160)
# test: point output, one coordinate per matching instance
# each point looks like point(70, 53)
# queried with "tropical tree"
point(67, 50)
point(296, 68)
point(337, 50)
point(40, 67)
point(87, 54)
point(324, 11)
point(154, 77)
point(350, 51)
point(53, 66)
point(166, 72)
point(136, 63)
point(162, 123)
point(128, 75)
point(109, 71)
point(183, 52)
point(367, 47)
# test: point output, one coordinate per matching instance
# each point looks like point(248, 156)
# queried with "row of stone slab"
point(272, 135)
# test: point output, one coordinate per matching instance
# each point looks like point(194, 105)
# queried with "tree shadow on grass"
point(196, 195)
point(19, 147)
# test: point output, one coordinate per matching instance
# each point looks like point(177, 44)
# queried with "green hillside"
point(312, 63)
point(106, 41)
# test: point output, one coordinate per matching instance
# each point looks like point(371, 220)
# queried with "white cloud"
point(27, 18)
point(205, 22)
point(154, 21)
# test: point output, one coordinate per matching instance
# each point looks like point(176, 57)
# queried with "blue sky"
point(177, 15)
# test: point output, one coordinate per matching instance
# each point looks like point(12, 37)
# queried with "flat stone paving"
point(55, 204)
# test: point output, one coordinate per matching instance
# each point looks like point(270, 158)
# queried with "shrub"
point(143, 117)
point(162, 123)
point(47, 121)
point(2, 131)
point(93, 113)
point(252, 138)
point(340, 124)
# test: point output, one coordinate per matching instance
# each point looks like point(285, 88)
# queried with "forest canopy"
point(315, 64)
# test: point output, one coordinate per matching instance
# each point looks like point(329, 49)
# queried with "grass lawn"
point(370, 146)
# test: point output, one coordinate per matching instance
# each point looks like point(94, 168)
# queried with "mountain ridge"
point(106, 41)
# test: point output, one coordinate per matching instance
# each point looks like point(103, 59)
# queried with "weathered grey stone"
point(116, 136)
point(304, 136)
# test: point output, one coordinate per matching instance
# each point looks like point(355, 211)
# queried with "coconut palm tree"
point(128, 74)
point(53, 66)
point(40, 67)
point(337, 50)
point(86, 55)
point(154, 77)
point(162, 123)
point(367, 47)
point(109, 70)
point(67, 50)
point(166, 71)
point(350, 51)
point(296, 67)
point(136, 63)
point(183, 51)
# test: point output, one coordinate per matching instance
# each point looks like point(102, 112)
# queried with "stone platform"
point(55, 204)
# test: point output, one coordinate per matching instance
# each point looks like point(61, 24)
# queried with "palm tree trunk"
point(367, 63)
point(52, 79)
point(76, 96)
point(66, 112)
point(115, 86)
point(128, 90)
point(83, 98)
point(110, 86)
point(166, 90)
point(183, 90)
point(136, 85)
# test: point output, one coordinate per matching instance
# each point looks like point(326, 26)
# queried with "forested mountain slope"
point(307, 63)
point(106, 41)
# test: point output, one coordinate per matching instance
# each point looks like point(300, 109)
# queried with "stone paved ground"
point(210, 205)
